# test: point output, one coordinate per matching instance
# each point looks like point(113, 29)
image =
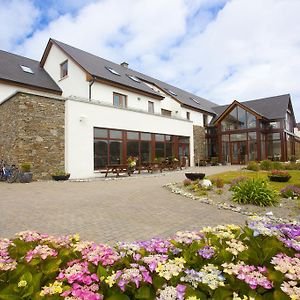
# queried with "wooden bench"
point(116, 169)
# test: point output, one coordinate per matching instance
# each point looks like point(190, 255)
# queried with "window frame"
point(121, 97)
point(62, 75)
point(150, 107)
point(166, 112)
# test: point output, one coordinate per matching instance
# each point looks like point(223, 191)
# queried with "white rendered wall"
point(6, 90)
point(75, 82)
point(82, 117)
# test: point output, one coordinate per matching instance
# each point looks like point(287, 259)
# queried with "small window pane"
point(238, 137)
point(115, 151)
point(131, 135)
point(100, 154)
point(100, 133)
point(159, 137)
point(183, 139)
point(115, 134)
point(159, 150)
point(146, 136)
point(225, 138)
point(151, 107)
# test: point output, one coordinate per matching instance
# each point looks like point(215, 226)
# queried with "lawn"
point(228, 176)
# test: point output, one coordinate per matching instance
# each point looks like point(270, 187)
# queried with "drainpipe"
point(91, 82)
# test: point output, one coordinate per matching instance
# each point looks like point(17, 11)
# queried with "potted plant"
point(60, 175)
point(131, 161)
point(25, 174)
point(279, 176)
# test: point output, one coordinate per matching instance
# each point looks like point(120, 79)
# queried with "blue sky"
point(221, 50)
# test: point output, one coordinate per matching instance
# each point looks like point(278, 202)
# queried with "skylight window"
point(26, 69)
point(194, 100)
point(172, 93)
point(134, 78)
point(113, 71)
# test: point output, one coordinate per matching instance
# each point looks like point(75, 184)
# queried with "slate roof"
point(271, 107)
point(97, 66)
point(10, 70)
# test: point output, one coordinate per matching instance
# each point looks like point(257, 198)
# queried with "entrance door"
point(238, 152)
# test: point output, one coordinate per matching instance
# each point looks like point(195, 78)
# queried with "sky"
point(221, 50)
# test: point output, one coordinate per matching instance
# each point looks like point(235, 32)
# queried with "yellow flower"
point(22, 283)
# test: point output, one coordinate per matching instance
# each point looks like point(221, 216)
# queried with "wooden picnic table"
point(116, 169)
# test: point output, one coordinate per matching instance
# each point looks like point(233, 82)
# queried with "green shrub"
point(266, 165)
point(276, 165)
point(218, 182)
point(254, 191)
point(26, 167)
point(253, 166)
point(214, 161)
point(290, 191)
point(293, 158)
point(292, 166)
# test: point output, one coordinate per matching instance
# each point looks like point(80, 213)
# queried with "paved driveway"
point(125, 209)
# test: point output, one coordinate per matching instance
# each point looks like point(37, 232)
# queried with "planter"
point(26, 177)
point(194, 176)
point(279, 178)
point(60, 177)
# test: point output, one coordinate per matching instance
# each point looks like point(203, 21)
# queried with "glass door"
point(239, 152)
point(235, 153)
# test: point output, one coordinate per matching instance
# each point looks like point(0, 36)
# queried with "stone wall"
point(199, 143)
point(32, 130)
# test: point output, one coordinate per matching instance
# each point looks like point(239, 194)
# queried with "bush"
point(276, 165)
point(279, 176)
point(234, 182)
point(214, 161)
point(293, 158)
point(259, 260)
point(254, 191)
point(26, 167)
point(266, 165)
point(292, 166)
point(218, 182)
point(290, 191)
point(253, 166)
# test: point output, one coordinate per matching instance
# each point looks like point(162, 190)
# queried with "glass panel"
point(115, 150)
point(252, 135)
point(276, 150)
point(243, 152)
point(100, 154)
point(100, 133)
point(225, 138)
point(183, 139)
point(159, 150)
point(166, 112)
point(115, 134)
point(159, 137)
point(251, 120)
point(252, 150)
point(275, 124)
point(131, 135)
point(242, 118)
point(235, 152)
point(169, 150)
point(117, 100)
point(151, 107)
point(274, 136)
point(225, 151)
point(238, 137)
point(168, 138)
point(145, 152)
point(146, 136)
point(133, 149)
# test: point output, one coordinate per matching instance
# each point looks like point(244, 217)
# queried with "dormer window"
point(26, 69)
point(64, 69)
point(111, 70)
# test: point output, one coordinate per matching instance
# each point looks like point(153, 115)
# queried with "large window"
point(274, 146)
point(112, 147)
point(238, 118)
point(119, 100)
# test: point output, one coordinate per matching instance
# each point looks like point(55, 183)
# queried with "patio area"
point(109, 210)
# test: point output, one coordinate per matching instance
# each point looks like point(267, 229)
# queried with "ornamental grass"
point(260, 260)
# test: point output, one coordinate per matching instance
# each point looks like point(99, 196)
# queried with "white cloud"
point(250, 49)
point(16, 22)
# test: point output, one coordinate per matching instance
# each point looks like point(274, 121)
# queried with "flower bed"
point(279, 176)
point(260, 260)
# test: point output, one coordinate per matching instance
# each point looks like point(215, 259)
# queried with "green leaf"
point(101, 271)
point(118, 297)
point(14, 276)
point(143, 293)
point(158, 282)
point(9, 293)
point(51, 266)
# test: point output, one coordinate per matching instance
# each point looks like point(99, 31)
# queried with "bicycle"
point(14, 174)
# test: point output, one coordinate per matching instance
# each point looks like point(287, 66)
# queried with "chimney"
point(124, 64)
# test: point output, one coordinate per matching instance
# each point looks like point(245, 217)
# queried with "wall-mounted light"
point(82, 119)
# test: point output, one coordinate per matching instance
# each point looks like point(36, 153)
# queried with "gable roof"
point(98, 67)
point(270, 108)
point(11, 72)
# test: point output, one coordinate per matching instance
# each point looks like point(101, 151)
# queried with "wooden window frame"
point(121, 96)
point(62, 75)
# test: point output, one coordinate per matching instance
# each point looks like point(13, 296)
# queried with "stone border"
point(173, 187)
